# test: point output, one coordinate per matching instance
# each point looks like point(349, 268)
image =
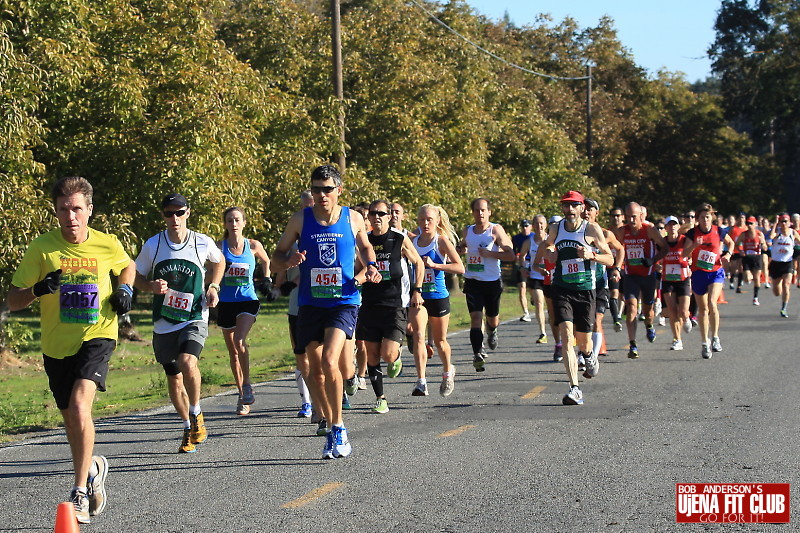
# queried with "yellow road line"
point(534, 392)
point(315, 494)
point(457, 431)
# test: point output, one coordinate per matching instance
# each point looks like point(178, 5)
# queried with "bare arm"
point(596, 234)
point(661, 243)
point(411, 254)
point(20, 298)
point(506, 248)
point(523, 251)
point(261, 254)
point(283, 258)
point(365, 252)
point(455, 266)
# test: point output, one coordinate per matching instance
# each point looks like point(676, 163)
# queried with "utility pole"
point(589, 113)
point(338, 86)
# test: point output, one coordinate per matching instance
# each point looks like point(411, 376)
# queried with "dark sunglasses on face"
point(178, 213)
point(378, 213)
point(688, 216)
point(326, 189)
point(573, 204)
point(660, 227)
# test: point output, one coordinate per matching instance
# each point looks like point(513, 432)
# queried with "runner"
point(69, 270)
point(704, 244)
point(329, 237)
point(784, 239)
point(675, 284)
point(535, 278)
point(383, 316)
point(434, 246)
point(602, 277)
point(735, 267)
point(644, 246)
point(617, 221)
point(238, 302)
point(795, 218)
point(521, 265)
point(485, 245)
point(574, 240)
point(751, 245)
point(172, 265)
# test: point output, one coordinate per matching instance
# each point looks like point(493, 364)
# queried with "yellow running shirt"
point(79, 311)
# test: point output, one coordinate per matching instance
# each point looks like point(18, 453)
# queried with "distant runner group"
point(360, 286)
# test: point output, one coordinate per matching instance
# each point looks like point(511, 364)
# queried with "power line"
point(490, 54)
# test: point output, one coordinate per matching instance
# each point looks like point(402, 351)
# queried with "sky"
point(673, 34)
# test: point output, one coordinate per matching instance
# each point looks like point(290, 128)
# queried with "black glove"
point(49, 284)
point(264, 286)
point(122, 299)
point(647, 261)
point(287, 287)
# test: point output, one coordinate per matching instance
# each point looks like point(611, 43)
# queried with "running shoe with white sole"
point(80, 501)
point(381, 406)
point(592, 366)
point(351, 386)
point(327, 450)
point(693, 321)
point(420, 389)
point(322, 428)
point(542, 339)
point(242, 409)
point(96, 486)
point(687, 325)
point(651, 334)
point(662, 321)
point(677, 345)
point(394, 369)
point(573, 397)
point(492, 339)
point(478, 361)
point(716, 346)
point(557, 358)
point(581, 362)
point(617, 326)
point(705, 351)
point(525, 318)
point(305, 411)
point(341, 444)
point(362, 383)
point(248, 398)
point(784, 314)
point(755, 301)
point(448, 383)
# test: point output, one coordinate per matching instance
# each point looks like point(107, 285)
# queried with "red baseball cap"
point(573, 196)
point(754, 220)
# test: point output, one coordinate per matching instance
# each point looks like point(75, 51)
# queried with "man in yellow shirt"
point(69, 269)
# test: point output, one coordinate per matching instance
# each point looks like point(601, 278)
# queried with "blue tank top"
point(433, 285)
point(326, 276)
point(237, 283)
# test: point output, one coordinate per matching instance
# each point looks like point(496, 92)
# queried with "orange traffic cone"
point(66, 521)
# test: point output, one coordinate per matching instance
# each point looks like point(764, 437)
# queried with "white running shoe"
point(362, 383)
point(448, 383)
point(705, 351)
point(677, 345)
point(755, 301)
point(662, 321)
point(716, 346)
point(573, 397)
point(581, 363)
point(592, 366)
point(341, 444)
point(525, 318)
point(687, 325)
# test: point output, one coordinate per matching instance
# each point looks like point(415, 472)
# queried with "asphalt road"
point(500, 454)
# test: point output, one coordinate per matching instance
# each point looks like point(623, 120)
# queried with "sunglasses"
point(573, 204)
point(178, 213)
point(378, 213)
point(617, 215)
point(660, 227)
point(750, 223)
point(326, 189)
point(688, 216)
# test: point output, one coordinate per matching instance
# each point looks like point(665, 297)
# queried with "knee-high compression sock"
point(376, 378)
point(755, 292)
point(476, 339)
point(301, 387)
point(614, 303)
point(739, 278)
point(597, 342)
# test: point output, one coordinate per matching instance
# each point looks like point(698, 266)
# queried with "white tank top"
point(535, 274)
point(782, 247)
point(477, 267)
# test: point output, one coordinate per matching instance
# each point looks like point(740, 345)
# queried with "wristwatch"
point(416, 289)
point(214, 286)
